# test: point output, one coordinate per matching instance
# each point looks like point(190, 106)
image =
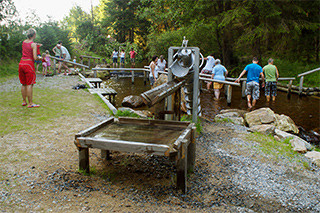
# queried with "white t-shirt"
point(162, 65)
point(115, 54)
point(156, 69)
point(210, 63)
point(65, 51)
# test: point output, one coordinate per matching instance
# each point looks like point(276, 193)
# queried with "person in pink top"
point(27, 74)
point(133, 57)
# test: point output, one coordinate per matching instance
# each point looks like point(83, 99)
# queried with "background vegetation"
point(234, 30)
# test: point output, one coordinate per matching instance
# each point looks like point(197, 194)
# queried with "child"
point(44, 64)
point(38, 54)
point(48, 60)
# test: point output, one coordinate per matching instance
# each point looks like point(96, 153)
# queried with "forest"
point(233, 30)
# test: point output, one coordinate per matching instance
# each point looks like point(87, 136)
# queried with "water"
point(304, 111)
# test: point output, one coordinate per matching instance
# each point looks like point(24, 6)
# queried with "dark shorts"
point(151, 78)
point(57, 56)
point(271, 88)
point(121, 60)
point(253, 89)
point(115, 60)
point(38, 61)
point(27, 75)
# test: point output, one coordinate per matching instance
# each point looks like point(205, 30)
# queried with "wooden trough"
point(172, 139)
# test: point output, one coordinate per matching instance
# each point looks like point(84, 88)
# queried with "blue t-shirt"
point(218, 72)
point(253, 72)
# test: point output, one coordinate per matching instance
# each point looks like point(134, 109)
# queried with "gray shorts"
point(253, 90)
point(271, 88)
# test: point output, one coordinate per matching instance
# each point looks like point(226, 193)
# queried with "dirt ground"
point(46, 176)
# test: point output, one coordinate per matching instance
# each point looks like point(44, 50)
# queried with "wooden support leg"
point(84, 159)
point(289, 89)
point(192, 151)
point(132, 76)
point(105, 154)
point(243, 89)
point(182, 167)
point(54, 66)
point(226, 90)
point(144, 77)
point(300, 86)
point(229, 95)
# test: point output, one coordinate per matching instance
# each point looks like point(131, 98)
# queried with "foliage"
point(197, 124)
point(126, 113)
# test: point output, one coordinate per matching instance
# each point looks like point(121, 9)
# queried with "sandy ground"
point(231, 174)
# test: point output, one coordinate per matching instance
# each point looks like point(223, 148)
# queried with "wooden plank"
point(229, 95)
point(94, 128)
point(301, 85)
point(289, 89)
point(105, 154)
point(243, 89)
point(103, 91)
point(223, 82)
point(111, 107)
point(185, 135)
point(192, 150)
point(182, 167)
point(139, 121)
point(124, 146)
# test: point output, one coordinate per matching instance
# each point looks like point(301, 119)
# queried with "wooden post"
point(243, 89)
point(105, 154)
point(84, 159)
point(89, 63)
point(225, 90)
point(54, 66)
point(289, 89)
point(300, 86)
point(144, 77)
point(181, 166)
point(95, 73)
point(132, 76)
point(192, 150)
point(229, 95)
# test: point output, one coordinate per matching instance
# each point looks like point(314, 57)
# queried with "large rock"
point(282, 134)
point(266, 129)
point(285, 123)
point(260, 116)
point(298, 145)
point(132, 101)
point(315, 156)
point(233, 117)
point(161, 80)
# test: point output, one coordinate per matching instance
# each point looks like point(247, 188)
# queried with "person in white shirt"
point(208, 68)
point(65, 56)
point(162, 63)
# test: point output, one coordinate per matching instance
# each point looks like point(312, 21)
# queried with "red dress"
point(27, 73)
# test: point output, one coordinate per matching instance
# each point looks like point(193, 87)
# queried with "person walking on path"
point(115, 58)
point(65, 56)
point(153, 70)
point(57, 54)
point(271, 74)
point(133, 57)
point(252, 89)
point(27, 74)
point(208, 68)
point(219, 72)
point(162, 64)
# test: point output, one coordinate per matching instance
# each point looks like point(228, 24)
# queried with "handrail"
point(308, 72)
point(85, 56)
point(71, 62)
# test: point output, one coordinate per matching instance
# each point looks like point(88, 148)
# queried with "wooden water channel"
point(172, 139)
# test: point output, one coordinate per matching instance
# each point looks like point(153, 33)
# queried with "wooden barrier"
point(55, 59)
point(89, 59)
point(301, 76)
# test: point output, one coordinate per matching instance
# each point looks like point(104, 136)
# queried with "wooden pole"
point(289, 89)
point(105, 154)
point(181, 166)
point(54, 66)
point(301, 85)
point(144, 77)
point(229, 95)
point(192, 150)
point(243, 89)
point(132, 76)
point(84, 159)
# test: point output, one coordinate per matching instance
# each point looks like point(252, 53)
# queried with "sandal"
point(34, 106)
point(24, 104)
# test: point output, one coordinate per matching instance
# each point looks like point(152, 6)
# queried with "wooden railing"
point(55, 59)
point(89, 59)
point(301, 76)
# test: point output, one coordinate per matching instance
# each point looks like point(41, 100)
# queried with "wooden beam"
point(182, 167)
point(84, 159)
point(94, 128)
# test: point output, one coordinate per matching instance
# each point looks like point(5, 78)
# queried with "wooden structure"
point(111, 93)
point(96, 81)
point(301, 76)
point(165, 138)
point(89, 59)
point(55, 59)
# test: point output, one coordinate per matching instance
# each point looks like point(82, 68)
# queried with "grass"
point(276, 149)
point(126, 113)
point(8, 70)
point(198, 124)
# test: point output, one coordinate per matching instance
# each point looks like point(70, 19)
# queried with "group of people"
point(155, 66)
point(268, 73)
point(115, 54)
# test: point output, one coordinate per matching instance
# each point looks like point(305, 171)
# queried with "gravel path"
point(231, 175)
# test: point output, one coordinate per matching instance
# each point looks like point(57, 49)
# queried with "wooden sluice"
point(175, 140)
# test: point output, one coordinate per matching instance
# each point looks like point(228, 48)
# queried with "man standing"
point(252, 90)
point(271, 73)
point(133, 57)
point(65, 56)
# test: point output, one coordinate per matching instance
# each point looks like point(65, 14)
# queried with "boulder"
point(161, 80)
point(298, 145)
point(315, 157)
point(285, 123)
point(266, 129)
point(282, 134)
point(233, 117)
point(259, 116)
point(132, 101)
